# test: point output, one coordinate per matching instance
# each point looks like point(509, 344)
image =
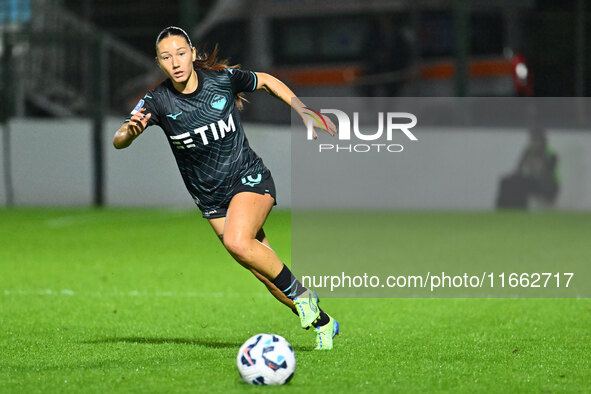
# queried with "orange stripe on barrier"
point(479, 68)
point(437, 71)
point(319, 76)
point(323, 76)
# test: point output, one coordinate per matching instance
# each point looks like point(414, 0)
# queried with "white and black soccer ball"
point(266, 359)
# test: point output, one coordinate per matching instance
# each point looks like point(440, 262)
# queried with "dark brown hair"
point(203, 61)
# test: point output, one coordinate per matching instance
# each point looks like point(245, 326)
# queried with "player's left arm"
point(281, 91)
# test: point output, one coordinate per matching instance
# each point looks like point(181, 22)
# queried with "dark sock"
point(322, 319)
point(292, 288)
point(288, 284)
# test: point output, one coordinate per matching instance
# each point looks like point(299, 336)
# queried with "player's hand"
point(318, 120)
point(138, 122)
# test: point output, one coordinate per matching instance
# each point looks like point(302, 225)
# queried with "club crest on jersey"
point(218, 102)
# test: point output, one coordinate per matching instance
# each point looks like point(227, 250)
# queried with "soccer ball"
point(266, 359)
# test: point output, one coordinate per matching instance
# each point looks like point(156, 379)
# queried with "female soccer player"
point(197, 107)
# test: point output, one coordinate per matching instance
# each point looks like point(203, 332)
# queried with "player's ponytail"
point(204, 61)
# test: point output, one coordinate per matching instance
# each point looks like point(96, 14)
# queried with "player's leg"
point(262, 238)
point(245, 217)
point(246, 214)
point(218, 226)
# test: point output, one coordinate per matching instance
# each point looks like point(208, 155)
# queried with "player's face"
point(175, 58)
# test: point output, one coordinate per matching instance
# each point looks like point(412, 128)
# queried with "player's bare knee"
point(237, 246)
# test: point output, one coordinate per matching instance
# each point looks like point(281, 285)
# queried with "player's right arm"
point(129, 131)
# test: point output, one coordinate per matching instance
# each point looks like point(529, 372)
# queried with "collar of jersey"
point(192, 94)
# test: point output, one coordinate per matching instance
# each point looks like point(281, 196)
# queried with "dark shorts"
point(257, 183)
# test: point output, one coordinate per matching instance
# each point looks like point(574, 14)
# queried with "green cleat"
point(307, 306)
point(325, 334)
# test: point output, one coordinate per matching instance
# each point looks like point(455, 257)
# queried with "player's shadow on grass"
point(182, 341)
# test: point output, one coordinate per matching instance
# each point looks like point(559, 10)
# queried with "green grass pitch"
point(130, 301)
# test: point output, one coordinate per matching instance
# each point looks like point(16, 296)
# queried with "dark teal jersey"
point(205, 134)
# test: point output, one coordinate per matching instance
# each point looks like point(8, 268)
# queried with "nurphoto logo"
point(391, 122)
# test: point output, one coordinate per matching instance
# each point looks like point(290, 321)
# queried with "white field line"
point(84, 217)
point(131, 293)
point(65, 221)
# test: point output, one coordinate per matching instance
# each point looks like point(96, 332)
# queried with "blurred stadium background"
point(71, 70)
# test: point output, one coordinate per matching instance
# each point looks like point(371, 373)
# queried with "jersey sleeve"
point(149, 104)
point(242, 80)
